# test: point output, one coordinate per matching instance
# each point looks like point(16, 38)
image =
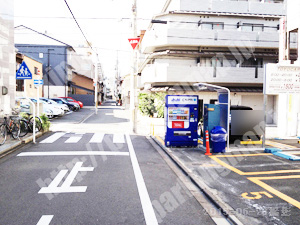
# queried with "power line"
point(80, 27)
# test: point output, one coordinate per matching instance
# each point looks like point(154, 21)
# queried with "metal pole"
point(38, 100)
point(33, 112)
point(96, 88)
point(48, 70)
point(133, 72)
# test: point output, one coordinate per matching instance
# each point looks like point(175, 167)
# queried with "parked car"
point(72, 105)
point(70, 99)
point(25, 107)
point(57, 111)
point(64, 107)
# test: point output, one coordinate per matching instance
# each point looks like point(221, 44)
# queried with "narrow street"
point(86, 176)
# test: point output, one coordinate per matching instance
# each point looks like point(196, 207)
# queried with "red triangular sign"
point(134, 42)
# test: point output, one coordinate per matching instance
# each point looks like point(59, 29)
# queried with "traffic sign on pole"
point(134, 42)
point(23, 72)
point(38, 82)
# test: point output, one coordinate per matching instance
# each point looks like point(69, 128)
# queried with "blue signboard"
point(38, 82)
point(23, 72)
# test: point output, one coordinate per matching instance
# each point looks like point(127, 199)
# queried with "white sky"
point(100, 20)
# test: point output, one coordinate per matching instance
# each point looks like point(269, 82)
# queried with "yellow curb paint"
point(279, 145)
point(257, 180)
point(160, 140)
point(251, 142)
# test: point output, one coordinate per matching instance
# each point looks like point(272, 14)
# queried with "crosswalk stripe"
point(53, 137)
point(118, 139)
point(74, 139)
point(97, 138)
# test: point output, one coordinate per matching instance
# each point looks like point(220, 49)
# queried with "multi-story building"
point(62, 64)
point(221, 42)
point(7, 58)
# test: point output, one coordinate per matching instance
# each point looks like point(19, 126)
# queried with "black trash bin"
point(218, 136)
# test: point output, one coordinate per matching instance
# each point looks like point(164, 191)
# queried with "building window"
point(20, 85)
point(212, 26)
point(252, 27)
point(36, 71)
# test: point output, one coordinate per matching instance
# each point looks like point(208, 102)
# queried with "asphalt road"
point(93, 178)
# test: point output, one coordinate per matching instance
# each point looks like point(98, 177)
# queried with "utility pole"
point(96, 87)
point(48, 69)
point(133, 72)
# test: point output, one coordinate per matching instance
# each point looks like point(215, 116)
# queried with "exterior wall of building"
point(54, 91)
point(58, 63)
point(84, 82)
point(231, 6)
point(7, 57)
point(29, 89)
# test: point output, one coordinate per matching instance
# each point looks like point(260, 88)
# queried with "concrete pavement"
point(256, 187)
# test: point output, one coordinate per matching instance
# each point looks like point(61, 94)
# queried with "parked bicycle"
point(27, 125)
point(12, 126)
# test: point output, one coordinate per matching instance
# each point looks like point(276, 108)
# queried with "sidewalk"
point(244, 184)
point(11, 143)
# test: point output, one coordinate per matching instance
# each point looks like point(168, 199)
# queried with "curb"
point(13, 147)
point(226, 210)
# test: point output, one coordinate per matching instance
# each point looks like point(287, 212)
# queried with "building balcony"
point(163, 38)
point(163, 74)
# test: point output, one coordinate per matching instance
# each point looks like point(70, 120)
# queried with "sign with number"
point(282, 79)
point(23, 72)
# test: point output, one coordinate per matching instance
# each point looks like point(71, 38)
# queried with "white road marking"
point(45, 220)
point(97, 138)
point(74, 153)
point(53, 138)
point(73, 139)
point(66, 186)
point(118, 139)
point(148, 210)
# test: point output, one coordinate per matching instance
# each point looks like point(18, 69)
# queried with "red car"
point(70, 99)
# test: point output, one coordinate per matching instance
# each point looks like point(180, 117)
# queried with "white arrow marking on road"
point(74, 153)
point(45, 220)
point(118, 139)
point(66, 186)
point(148, 210)
point(97, 138)
point(53, 138)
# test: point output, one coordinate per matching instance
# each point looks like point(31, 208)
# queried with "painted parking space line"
point(97, 138)
point(148, 210)
point(118, 139)
point(258, 181)
point(279, 145)
point(74, 153)
point(52, 138)
point(45, 220)
point(73, 139)
point(226, 165)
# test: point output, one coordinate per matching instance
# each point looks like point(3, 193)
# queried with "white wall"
point(7, 57)
point(55, 91)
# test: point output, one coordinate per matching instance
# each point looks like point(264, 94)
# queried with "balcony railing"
point(192, 74)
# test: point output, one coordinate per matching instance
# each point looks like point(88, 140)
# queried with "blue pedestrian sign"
point(23, 72)
point(38, 82)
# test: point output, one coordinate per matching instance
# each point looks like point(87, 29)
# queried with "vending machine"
point(181, 116)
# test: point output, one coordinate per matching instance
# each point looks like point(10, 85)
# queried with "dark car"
point(72, 105)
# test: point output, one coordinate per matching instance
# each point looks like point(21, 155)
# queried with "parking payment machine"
point(181, 116)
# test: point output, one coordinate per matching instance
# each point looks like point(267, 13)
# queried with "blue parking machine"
point(181, 116)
